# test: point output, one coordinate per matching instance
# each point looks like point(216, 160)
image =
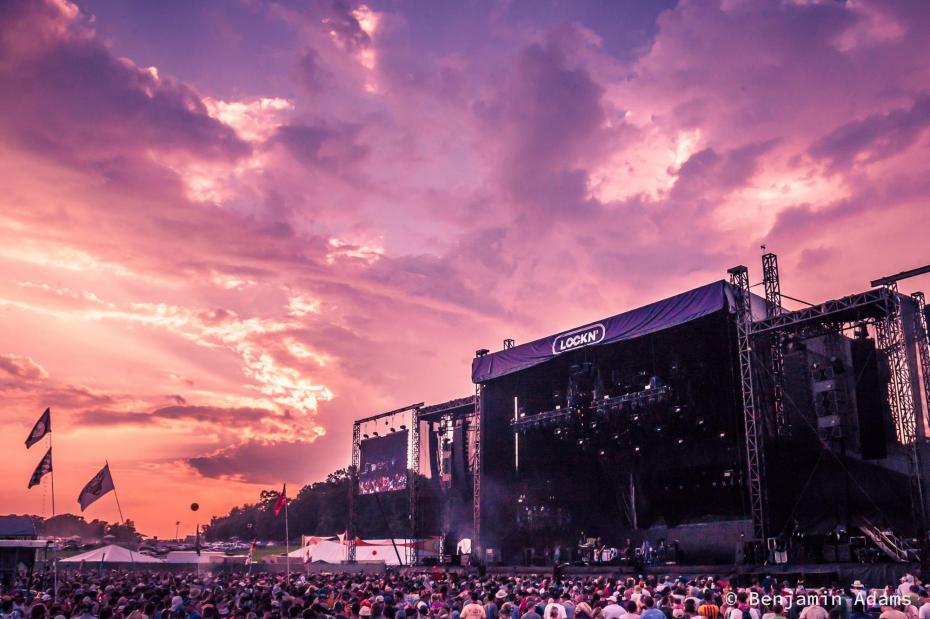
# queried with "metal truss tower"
point(414, 489)
point(890, 331)
point(770, 280)
point(352, 525)
point(923, 344)
point(755, 464)
point(476, 477)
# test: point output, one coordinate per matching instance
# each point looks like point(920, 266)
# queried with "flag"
point(45, 466)
point(43, 426)
point(101, 483)
point(282, 500)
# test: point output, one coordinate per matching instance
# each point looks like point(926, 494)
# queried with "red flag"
point(282, 500)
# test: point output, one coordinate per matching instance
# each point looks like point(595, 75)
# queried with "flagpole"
point(53, 473)
point(116, 496)
point(287, 543)
point(120, 509)
point(54, 547)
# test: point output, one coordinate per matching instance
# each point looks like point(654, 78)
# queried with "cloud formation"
point(221, 245)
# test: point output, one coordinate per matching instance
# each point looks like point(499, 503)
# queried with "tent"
point(320, 550)
point(333, 551)
point(111, 554)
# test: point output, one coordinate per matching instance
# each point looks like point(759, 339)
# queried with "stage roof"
point(638, 322)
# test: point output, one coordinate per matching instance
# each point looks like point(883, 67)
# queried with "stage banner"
point(635, 323)
point(383, 463)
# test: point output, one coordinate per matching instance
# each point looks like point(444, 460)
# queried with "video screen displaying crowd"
point(383, 464)
point(439, 595)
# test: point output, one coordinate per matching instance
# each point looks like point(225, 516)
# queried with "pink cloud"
point(242, 271)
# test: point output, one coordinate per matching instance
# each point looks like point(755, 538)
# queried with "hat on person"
point(501, 594)
point(857, 584)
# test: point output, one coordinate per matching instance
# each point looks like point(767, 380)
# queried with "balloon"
point(194, 507)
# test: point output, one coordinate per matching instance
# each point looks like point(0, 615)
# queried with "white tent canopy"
point(330, 551)
point(111, 554)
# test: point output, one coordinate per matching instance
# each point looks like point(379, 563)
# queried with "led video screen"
point(383, 464)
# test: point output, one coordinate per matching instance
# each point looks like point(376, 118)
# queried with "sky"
point(229, 229)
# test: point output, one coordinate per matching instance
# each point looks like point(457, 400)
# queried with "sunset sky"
point(228, 229)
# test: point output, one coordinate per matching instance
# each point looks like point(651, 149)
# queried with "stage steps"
point(889, 543)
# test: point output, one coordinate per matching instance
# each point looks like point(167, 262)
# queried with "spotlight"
point(723, 434)
point(680, 441)
point(376, 434)
point(558, 431)
point(581, 441)
point(403, 427)
point(636, 448)
point(393, 429)
point(701, 421)
point(364, 436)
point(615, 437)
point(601, 452)
point(677, 409)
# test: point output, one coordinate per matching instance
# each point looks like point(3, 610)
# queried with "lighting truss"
point(609, 404)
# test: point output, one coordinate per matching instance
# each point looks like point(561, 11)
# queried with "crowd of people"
point(115, 594)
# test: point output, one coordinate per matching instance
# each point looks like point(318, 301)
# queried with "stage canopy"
point(111, 554)
point(665, 314)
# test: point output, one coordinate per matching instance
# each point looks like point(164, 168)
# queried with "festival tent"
point(333, 551)
point(327, 551)
point(111, 554)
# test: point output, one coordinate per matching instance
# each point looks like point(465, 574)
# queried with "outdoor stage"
point(715, 424)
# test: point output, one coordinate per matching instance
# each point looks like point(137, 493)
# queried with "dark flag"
point(282, 500)
point(96, 487)
point(45, 466)
point(43, 426)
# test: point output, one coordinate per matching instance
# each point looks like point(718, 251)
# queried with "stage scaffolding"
point(413, 471)
point(880, 307)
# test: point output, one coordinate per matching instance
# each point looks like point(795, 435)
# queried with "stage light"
point(680, 441)
point(581, 441)
point(723, 434)
point(615, 437)
point(376, 434)
point(364, 436)
point(636, 448)
point(601, 452)
point(677, 409)
point(635, 417)
point(701, 421)
point(393, 429)
point(558, 407)
point(403, 427)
